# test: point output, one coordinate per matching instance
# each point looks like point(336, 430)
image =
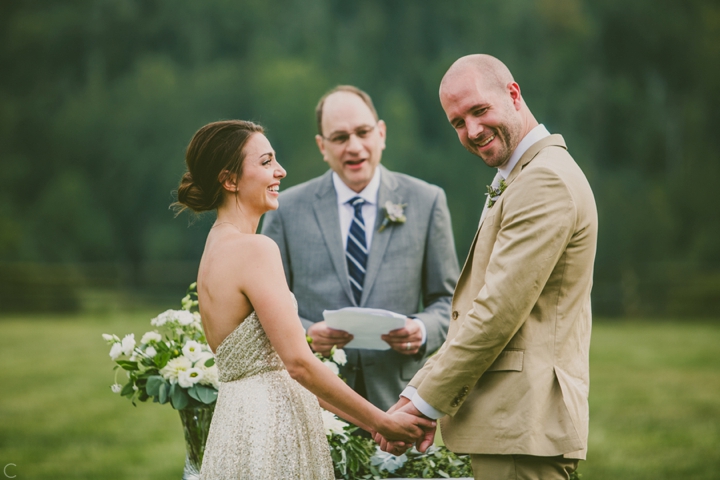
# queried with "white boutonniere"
point(494, 193)
point(394, 213)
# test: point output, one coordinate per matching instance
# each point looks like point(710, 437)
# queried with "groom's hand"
point(398, 448)
point(324, 338)
point(426, 440)
point(406, 340)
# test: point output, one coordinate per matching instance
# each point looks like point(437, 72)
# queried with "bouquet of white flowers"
point(172, 363)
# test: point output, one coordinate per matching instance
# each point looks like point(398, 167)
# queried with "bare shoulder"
point(246, 247)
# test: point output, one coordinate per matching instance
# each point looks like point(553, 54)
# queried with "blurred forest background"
point(99, 98)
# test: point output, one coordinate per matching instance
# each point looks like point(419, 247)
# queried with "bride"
point(265, 425)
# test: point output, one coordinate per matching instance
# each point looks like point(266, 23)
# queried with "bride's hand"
point(405, 427)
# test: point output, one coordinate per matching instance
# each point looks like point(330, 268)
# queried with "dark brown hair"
point(215, 151)
point(343, 88)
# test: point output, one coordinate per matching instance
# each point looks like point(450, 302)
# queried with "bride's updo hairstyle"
point(215, 151)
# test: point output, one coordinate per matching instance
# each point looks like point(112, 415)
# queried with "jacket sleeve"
point(273, 228)
point(439, 274)
point(536, 223)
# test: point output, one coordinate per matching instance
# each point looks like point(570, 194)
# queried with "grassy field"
point(655, 403)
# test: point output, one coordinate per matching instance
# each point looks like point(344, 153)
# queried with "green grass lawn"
point(655, 403)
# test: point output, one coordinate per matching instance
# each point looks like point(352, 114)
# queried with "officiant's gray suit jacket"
point(409, 265)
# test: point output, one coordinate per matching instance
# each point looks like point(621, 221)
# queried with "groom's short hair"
point(343, 88)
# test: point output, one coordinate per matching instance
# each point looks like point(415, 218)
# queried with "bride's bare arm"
point(262, 280)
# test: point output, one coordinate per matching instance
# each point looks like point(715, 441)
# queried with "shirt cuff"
point(425, 408)
point(408, 392)
point(422, 328)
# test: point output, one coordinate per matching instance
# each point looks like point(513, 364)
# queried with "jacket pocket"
point(508, 361)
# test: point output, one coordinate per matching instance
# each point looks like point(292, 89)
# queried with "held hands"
point(324, 338)
point(405, 406)
point(406, 340)
point(403, 429)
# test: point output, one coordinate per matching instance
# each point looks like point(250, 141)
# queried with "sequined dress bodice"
point(247, 351)
point(265, 425)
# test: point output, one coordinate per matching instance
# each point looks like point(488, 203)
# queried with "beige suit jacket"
point(513, 374)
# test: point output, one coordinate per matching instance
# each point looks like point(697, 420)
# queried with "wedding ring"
point(407, 346)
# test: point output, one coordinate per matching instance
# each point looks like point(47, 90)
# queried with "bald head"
point(483, 103)
point(493, 72)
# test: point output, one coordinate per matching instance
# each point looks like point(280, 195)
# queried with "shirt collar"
point(533, 136)
point(369, 193)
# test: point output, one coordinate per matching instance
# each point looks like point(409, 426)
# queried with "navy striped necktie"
point(356, 252)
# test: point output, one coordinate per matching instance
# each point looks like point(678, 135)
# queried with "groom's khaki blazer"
point(409, 265)
point(513, 374)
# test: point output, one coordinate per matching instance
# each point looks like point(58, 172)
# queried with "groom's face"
point(485, 116)
point(352, 139)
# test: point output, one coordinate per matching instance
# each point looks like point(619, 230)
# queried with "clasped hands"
point(406, 340)
point(422, 442)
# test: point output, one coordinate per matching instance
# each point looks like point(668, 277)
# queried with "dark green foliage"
point(98, 101)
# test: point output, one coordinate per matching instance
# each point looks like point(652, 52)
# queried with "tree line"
point(99, 98)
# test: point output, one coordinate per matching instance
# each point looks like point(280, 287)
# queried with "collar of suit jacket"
point(555, 140)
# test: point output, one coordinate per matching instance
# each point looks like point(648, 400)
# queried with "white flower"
point(116, 388)
point(191, 376)
point(395, 212)
point(333, 425)
point(184, 317)
point(128, 344)
point(150, 337)
point(333, 368)
point(173, 368)
point(161, 319)
point(203, 357)
point(110, 338)
point(339, 356)
point(192, 350)
point(115, 351)
point(210, 376)
point(387, 461)
point(150, 352)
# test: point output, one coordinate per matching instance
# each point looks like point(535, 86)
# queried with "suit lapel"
point(552, 140)
point(380, 240)
point(328, 219)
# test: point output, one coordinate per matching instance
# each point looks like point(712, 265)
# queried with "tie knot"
point(356, 202)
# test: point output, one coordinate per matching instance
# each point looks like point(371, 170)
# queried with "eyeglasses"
point(341, 138)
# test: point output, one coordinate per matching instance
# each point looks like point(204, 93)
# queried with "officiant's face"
point(485, 116)
point(352, 139)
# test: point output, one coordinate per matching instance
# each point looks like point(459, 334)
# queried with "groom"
point(511, 380)
point(342, 246)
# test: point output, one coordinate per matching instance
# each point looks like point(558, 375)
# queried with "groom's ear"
point(228, 180)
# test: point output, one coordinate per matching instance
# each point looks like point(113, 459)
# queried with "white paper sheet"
point(365, 324)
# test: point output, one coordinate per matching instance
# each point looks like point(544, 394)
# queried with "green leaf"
point(210, 362)
point(127, 390)
point(207, 395)
point(192, 391)
point(153, 384)
point(127, 365)
point(178, 397)
point(163, 393)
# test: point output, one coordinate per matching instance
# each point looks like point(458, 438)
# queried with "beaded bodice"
point(247, 351)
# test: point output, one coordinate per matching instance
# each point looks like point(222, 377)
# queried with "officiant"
point(361, 235)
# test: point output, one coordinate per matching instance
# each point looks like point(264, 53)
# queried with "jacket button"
point(455, 315)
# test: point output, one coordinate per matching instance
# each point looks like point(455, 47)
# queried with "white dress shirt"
point(369, 213)
point(533, 136)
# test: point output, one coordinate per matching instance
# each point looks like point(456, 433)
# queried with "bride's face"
point(259, 182)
